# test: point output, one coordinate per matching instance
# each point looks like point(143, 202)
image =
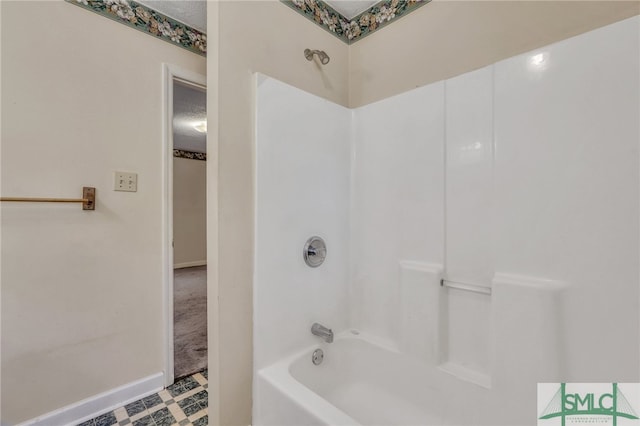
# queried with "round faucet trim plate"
point(314, 252)
point(317, 357)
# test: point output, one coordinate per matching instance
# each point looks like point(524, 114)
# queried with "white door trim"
point(169, 74)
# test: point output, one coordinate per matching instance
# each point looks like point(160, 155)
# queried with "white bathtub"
point(362, 383)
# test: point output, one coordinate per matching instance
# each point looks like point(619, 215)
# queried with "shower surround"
point(482, 237)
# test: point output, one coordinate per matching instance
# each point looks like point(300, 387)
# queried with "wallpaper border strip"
point(147, 20)
point(377, 16)
point(191, 155)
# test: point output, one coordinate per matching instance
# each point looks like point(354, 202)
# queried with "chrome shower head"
point(324, 58)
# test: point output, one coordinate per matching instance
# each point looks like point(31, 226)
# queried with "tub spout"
point(322, 331)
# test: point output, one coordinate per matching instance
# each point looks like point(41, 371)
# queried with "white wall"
point(189, 212)
point(81, 291)
point(302, 190)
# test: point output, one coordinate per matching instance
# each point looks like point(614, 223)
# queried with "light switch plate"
point(125, 181)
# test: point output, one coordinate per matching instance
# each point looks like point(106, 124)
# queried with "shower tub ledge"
point(361, 382)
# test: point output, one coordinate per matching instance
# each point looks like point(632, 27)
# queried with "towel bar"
point(88, 199)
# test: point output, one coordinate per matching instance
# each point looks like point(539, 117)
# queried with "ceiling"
point(189, 110)
point(190, 12)
point(351, 8)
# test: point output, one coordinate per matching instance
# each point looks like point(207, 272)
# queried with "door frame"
point(170, 73)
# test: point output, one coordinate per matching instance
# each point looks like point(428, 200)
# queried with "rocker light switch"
point(125, 181)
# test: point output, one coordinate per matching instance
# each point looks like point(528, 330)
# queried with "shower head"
point(324, 58)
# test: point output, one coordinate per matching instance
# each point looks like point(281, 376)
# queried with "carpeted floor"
point(189, 320)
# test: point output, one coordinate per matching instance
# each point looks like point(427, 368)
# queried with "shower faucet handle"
point(314, 252)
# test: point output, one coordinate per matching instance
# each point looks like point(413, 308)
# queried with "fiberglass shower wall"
point(302, 190)
point(537, 156)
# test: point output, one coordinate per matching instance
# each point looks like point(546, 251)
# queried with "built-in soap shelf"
point(465, 332)
point(466, 329)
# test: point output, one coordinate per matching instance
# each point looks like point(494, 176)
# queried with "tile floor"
point(184, 403)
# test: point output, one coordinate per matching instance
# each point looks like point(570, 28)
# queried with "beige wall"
point(447, 38)
point(270, 38)
point(81, 291)
point(189, 212)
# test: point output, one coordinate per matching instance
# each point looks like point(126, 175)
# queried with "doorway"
point(185, 265)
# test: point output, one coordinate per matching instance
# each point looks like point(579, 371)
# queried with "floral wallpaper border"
point(351, 30)
point(181, 153)
point(147, 20)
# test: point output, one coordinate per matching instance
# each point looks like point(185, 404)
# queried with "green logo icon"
point(564, 404)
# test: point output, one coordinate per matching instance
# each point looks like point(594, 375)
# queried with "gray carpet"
point(189, 320)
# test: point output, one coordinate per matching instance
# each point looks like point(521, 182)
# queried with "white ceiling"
point(351, 8)
point(189, 109)
point(194, 12)
point(190, 12)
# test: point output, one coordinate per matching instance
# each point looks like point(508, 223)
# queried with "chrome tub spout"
point(322, 331)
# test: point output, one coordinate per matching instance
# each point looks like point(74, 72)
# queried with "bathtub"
point(362, 382)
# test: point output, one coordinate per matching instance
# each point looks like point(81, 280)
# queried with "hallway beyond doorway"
point(190, 320)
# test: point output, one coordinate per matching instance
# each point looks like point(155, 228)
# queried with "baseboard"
point(189, 264)
point(99, 404)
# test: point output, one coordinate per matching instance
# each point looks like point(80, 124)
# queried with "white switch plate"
point(125, 181)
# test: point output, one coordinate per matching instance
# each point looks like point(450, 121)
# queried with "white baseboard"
point(189, 264)
point(101, 403)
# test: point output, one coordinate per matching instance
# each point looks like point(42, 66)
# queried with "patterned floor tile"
point(185, 403)
point(107, 419)
point(202, 421)
point(165, 421)
point(152, 400)
point(135, 408)
point(144, 421)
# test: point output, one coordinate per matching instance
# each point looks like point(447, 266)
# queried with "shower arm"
point(322, 56)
